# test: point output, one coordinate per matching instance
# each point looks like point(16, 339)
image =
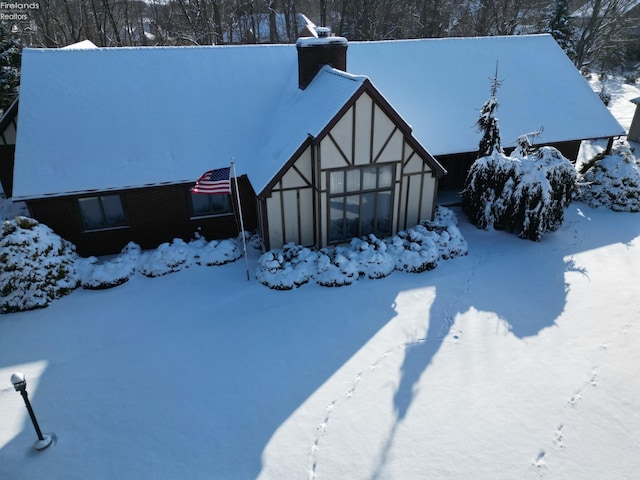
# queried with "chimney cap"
point(321, 40)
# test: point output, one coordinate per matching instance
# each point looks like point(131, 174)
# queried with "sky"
point(517, 360)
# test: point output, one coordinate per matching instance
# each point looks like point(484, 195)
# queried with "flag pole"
point(244, 242)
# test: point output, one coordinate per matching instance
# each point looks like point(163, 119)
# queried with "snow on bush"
point(415, 250)
point(110, 273)
point(612, 181)
point(167, 258)
point(525, 195)
point(36, 265)
point(287, 268)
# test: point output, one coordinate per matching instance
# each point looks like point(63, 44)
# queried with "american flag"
point(213, 182)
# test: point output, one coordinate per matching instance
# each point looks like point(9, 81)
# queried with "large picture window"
point(360, 202)
point(102, 211)
point(206, 205)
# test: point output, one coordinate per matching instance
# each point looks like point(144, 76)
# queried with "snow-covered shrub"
point(612, 181)
point(167, 258)
point(287, 268)
point(217, 252)
point(95, 275)
point(449, 239)
point(36, 265)
point(416, 250)
point(370, 254)
point(526, 196)
point(334, 269)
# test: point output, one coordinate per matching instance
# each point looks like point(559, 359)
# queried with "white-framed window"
point(102, 212)
point(360, 202)
point(210, 205)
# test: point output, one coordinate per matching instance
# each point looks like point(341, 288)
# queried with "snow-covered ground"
point(519, 360)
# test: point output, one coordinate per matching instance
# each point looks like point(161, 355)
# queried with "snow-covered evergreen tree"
point(10, 55)
point(561, 27)
point(488, 123)
point(524, 147)
point(525, 194)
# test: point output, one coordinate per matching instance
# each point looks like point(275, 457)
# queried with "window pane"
point(202, 204)
point(352, 215)
point(385, 176)
point(336, 219)
point(368, 210)
point(114, 214)
point(91, 212)
point(336, 182)
point(353, 180)
point(369, 176)
point(219, 203)
point(383, 215)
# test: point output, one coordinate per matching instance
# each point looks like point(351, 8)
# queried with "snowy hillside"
point(516, 361)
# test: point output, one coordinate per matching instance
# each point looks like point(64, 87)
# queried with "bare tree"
point(602, 33)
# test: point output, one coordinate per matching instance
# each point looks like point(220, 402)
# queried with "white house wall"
point(290, 207)
point(364, 135)
point(417, 192)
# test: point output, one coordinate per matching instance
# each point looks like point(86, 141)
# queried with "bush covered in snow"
point(111, 273)
point(612, 181)
point(525, 195)
point(167, 258)
point(36, 265)
point(415, 250)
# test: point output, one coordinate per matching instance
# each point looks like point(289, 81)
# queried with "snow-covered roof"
point(114, 118)
point(439, 85)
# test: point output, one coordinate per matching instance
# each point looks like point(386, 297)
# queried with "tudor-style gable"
point(355, 178)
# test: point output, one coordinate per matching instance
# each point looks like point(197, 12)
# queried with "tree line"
point(597, 34)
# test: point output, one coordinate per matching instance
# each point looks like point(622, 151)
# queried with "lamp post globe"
point(20, 384)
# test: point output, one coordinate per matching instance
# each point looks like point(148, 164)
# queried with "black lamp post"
point(20, 384)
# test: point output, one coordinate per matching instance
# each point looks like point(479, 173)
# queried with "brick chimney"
point(315, 52)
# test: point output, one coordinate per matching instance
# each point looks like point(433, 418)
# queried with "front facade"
point(104, 157)
point(365, 174)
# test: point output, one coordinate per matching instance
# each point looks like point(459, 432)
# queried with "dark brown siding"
point(155, 215)
point(7, 153)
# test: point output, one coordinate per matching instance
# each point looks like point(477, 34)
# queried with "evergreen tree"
point(525, 194)
point(488, 123)
point(10, 56)
point(561, 27)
